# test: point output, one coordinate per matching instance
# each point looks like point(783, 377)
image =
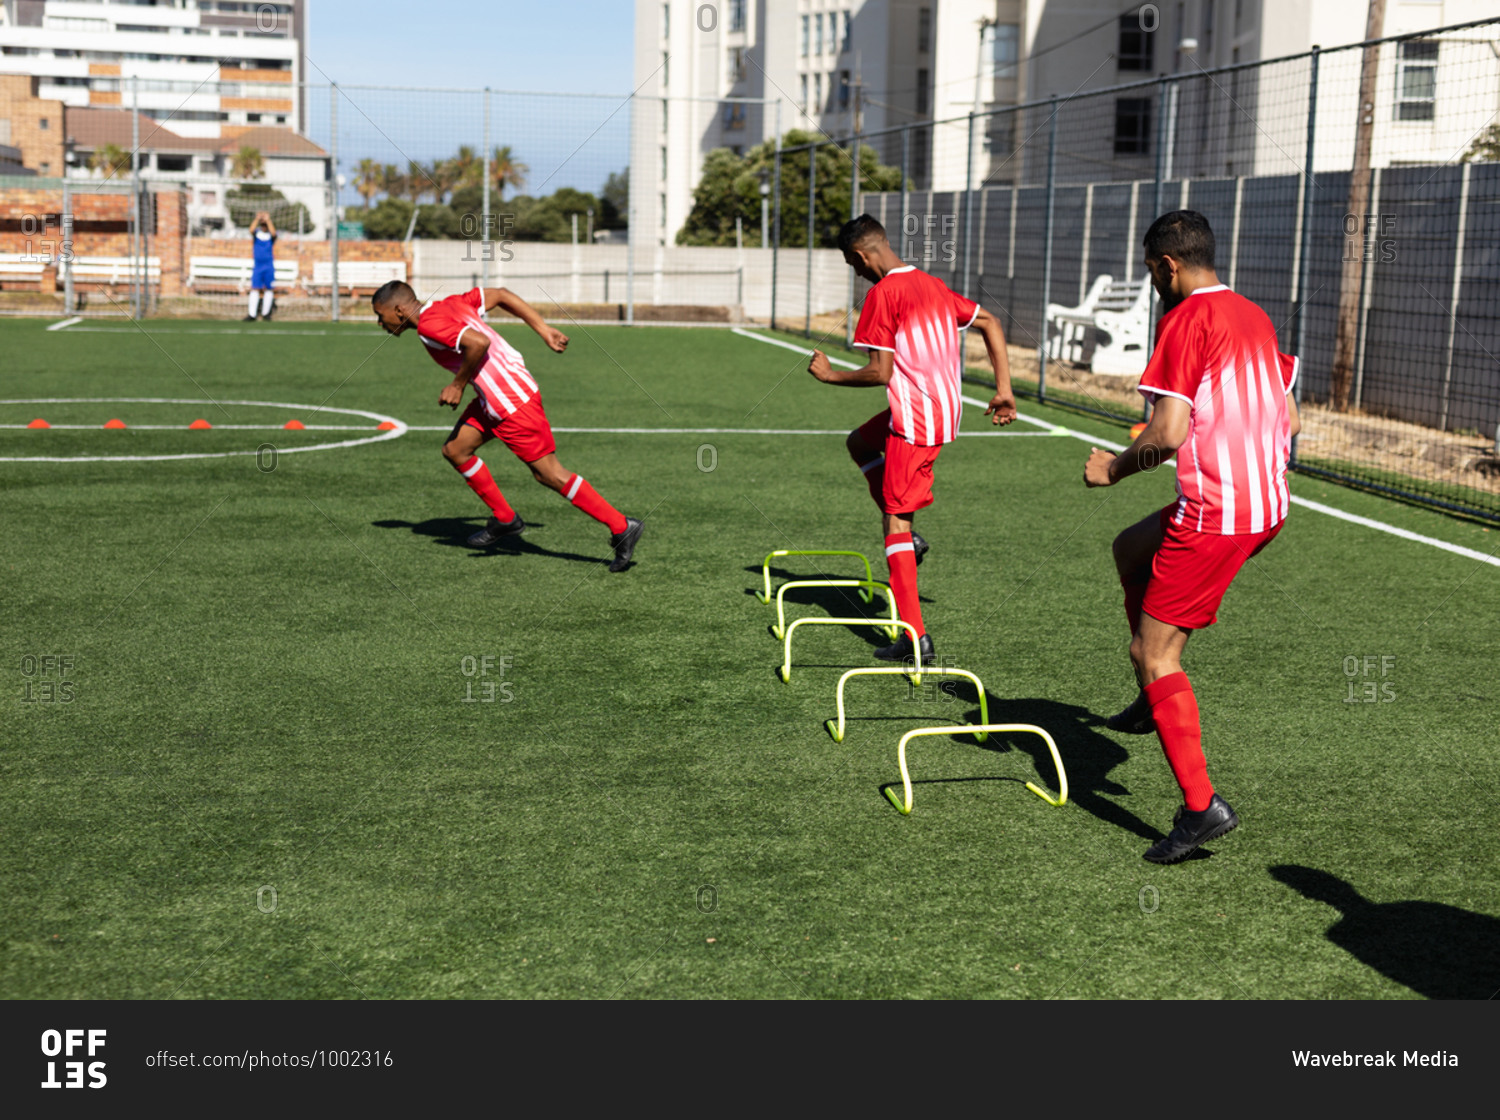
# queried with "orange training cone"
point(294, 426)
point(115, 423)
point(199, 426)
point(385, 426)
point(39, 423)
point(1136, 430)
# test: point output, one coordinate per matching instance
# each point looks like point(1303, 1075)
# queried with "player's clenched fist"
point(1002, 409)
point(452, 395)
point(819, 367)
point(1096, 470)
point(554, 338)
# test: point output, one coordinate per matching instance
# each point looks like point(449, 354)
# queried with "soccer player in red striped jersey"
point(507, 404)
point(1222, 401)
point(912, 325)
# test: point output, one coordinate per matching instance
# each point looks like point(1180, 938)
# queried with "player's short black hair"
point(858, 230)
point(392, 291)
point(1183, 235)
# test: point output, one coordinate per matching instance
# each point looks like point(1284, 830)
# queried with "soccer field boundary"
point(1112, 445)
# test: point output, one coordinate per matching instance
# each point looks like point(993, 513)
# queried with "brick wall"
point(41, 147)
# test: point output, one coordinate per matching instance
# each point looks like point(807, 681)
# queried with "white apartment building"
point(212, 66)
point(906, 61)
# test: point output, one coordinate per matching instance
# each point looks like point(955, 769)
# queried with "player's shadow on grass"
point(1087, 755)
point(1436, 950)
point(454, 532)
point(829, 602)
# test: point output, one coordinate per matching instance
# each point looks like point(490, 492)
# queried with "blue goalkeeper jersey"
point(263, 243)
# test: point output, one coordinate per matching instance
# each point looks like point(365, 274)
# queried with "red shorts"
point(908, 468)
point(525, 431)
point(1192, 570)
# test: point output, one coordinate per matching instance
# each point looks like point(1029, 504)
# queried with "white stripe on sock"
point(473, 468)
point(901, 546)
point(577, 482)
point(871, 465)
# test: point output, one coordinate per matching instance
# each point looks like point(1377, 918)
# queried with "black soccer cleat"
point(1134, 720)
point(248, 319)
point(902, 650)
point(495, 531)
point(624, 544)
point(1192, 830)
point(268, 314)
point(919, 546)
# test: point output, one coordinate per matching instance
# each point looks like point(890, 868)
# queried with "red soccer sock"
point(585, 497)
point(1135, 595)
point(1175, 710)
point(477, 475)
point(902, 563)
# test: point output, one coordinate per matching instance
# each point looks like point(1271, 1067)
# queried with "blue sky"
point(576, 46)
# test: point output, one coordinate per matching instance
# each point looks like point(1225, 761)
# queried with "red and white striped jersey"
point(1217, 351)
point(503, 383)
point(918, 318)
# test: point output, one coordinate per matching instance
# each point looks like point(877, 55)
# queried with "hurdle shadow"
point(453, 532)
point(1436, 950)
point(781, 575)
point(1087, 755)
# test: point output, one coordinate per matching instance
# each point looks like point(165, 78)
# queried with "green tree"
point(368, 180)
point(1486, 147)
point(614, 201)
point(247, 163)
point(730, 188)
point(389, 218)
point(110, 160)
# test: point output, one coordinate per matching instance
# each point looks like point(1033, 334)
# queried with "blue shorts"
point(263, 276)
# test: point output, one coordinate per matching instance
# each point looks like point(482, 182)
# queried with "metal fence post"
point(136, 267)
point(333, 185)
point(1041, 379)
point(969, 207)
point(1162, 96)
point(1304, 243)
point(65, 254)
point(905, 166)
point(485, 241)
point(854, 212)
point(776, 217)
point(812, 209)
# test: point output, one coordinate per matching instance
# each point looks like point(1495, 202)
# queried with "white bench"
point(353, 275)
point(110, 270)
point(219, 273)
point(23, 267)
point(1114, 317)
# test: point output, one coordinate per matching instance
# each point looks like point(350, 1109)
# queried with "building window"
point(666, 69)
point(734, 116)
point(818, 33)
point(1132, 126)
point(818, 92)
point(737, 66)
point(663, 162)
point(43, 123)
point(924, 79)
point(174, 163)
point(666, 21)
point(1006, 48)
point(803, 101)
point(661, 210)
point(844, 46)
point(806, 32)
point(44, 168)
point(924, 30)
point(1135, 48)
point(665, 107)
point(1416, 80)
point(736, 15)
point(844, 90)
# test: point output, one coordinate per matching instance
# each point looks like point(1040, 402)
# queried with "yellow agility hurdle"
point(872, 585)
point(786, 665)
point(1062, 775)
point(837, 729)
point(765, 567)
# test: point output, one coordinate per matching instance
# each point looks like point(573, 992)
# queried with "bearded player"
point(911, 324)
point(1222, 397)
point(507, 404)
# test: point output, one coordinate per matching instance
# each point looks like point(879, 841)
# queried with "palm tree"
point(467, 167)
point(368, 180)
point(507, 171)
point(442, 177)
point(392, 182)
point(418, 182)
point(247, 163)
point(110, 160)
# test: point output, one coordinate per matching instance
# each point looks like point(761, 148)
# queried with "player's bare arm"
point(1293, 415)
point(475, 348)
point(508, 301)
point(881, 369)
point(1002, 407)
point(1167, 431)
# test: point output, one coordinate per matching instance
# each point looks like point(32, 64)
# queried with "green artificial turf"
point(279, 775)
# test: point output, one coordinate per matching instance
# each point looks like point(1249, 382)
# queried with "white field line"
point(1095, 441)
point(65, 323)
